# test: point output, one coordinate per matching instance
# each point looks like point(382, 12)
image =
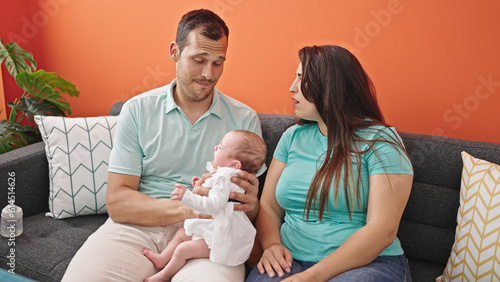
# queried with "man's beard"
point(193, 97)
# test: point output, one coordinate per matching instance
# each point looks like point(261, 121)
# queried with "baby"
point(227, 237)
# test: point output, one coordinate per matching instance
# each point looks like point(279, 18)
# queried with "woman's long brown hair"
point(334, 80)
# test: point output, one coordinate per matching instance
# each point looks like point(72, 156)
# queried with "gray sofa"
point(426, 232)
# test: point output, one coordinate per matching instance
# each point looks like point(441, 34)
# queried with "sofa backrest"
point(427, 229)
point(116, 108)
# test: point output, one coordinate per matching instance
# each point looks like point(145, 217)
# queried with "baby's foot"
point(156, 278)
point(155, 258)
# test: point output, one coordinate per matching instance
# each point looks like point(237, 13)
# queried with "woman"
point(338, 183)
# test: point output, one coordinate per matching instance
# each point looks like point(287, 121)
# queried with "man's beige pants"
point(114, 253)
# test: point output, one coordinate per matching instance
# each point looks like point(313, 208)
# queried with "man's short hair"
point(212, 26)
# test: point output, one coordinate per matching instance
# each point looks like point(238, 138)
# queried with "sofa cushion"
point(424, 271)
point(46, 246)
point(474, 255)
point(78, 152)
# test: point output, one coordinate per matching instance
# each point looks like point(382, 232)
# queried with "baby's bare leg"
point(183, 252)
point(160, 260)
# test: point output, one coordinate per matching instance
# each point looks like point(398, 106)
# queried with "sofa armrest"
point(24, 174)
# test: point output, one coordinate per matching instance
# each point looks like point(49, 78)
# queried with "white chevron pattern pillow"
point(77, 151)
point(475, 255)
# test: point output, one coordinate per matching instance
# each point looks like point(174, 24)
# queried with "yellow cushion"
point(475, 255)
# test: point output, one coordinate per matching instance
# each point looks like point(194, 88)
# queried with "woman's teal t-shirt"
point(302, 149)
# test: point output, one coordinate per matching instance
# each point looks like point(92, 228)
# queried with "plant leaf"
point(15, 59)
point(43, 85)
point(14, 135)
point(31, 106)
point(13, 113)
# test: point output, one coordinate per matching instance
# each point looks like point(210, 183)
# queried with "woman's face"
point(303, 108)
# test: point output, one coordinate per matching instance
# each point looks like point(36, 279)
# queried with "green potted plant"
point(42, 96)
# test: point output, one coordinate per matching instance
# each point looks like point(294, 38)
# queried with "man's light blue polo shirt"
point(155, 140)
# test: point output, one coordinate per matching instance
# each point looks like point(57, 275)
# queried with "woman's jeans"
point(382, 269)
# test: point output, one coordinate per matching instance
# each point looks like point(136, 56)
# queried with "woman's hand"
point(300, 277)
point(249, 201)
point(275, 259)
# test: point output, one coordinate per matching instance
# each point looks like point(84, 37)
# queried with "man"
point(164, 137)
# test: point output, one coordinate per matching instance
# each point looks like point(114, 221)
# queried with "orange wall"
point(3, 114)
point(436, 64)
point(14, 19)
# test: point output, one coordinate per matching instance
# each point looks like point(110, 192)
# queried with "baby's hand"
point(197, 184)
point(194, 180)
point(178, 192)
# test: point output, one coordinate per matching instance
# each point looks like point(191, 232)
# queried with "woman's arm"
point(276, 258)
point(388, 196)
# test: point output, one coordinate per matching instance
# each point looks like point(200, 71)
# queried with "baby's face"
point(224, 151)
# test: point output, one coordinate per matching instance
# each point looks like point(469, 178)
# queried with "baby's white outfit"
point(229, 234)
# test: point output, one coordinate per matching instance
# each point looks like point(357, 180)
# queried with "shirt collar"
point(170, 105)
point(216, 108)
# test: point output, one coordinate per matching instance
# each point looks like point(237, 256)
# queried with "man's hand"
point(249, 201)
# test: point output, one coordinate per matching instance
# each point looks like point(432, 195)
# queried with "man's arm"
point(127, 205)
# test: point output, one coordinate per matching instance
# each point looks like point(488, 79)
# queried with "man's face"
point(199, 66)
